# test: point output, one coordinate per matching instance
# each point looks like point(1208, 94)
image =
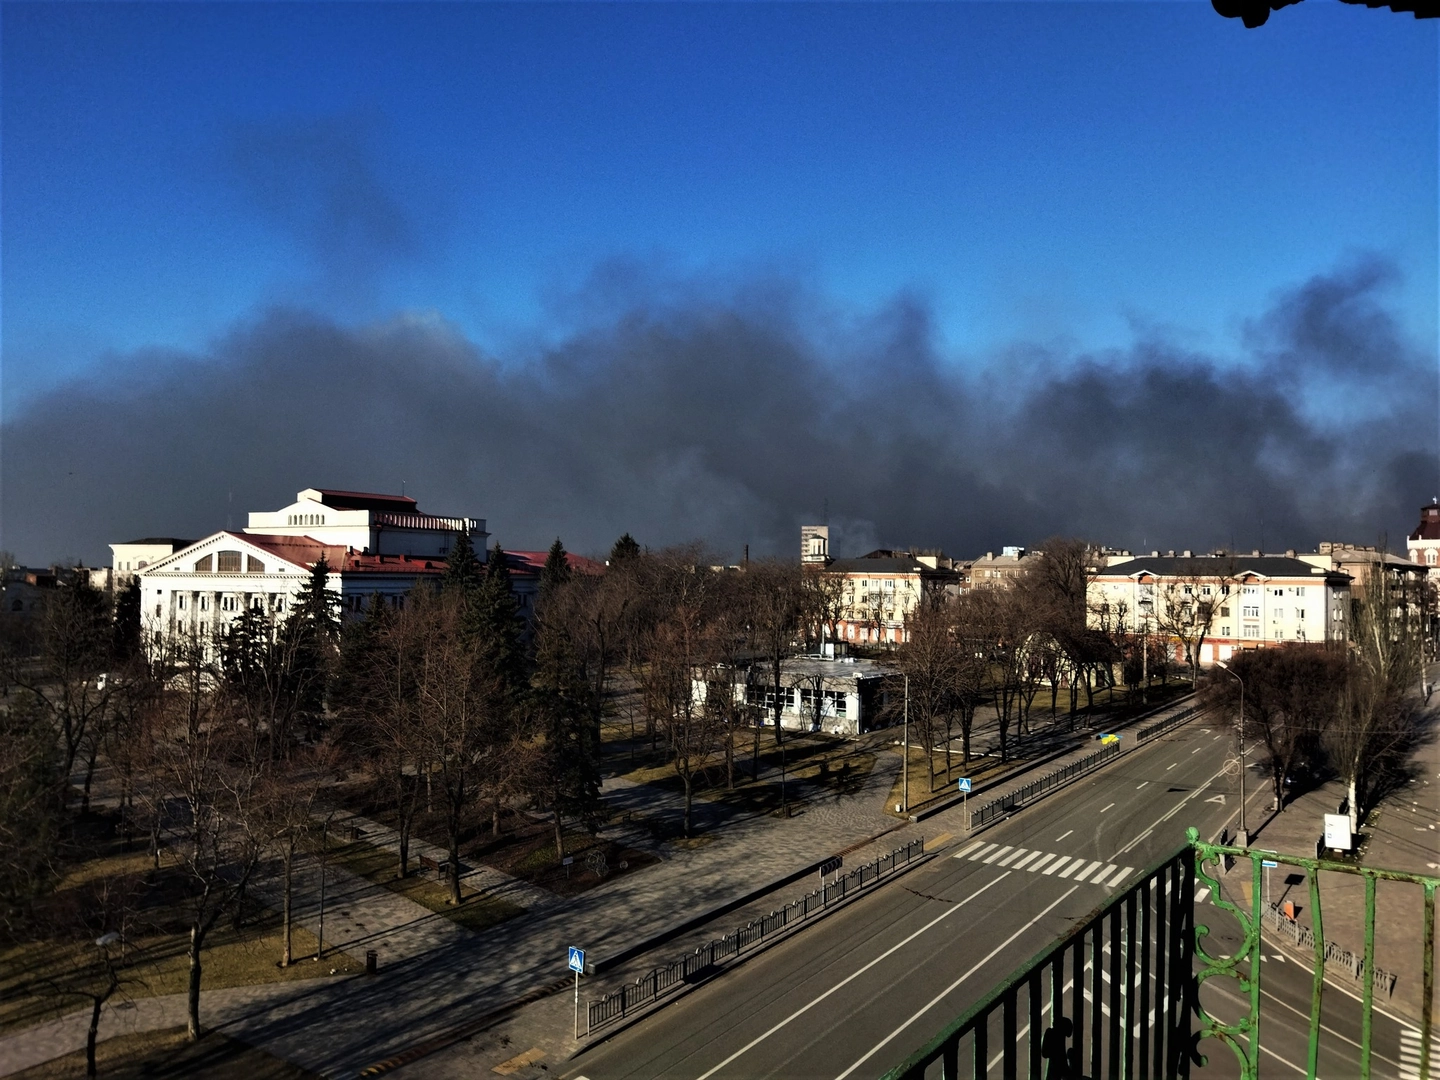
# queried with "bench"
point(442, 869)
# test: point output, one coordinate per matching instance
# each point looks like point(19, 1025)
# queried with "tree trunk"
point(90, 1036)
point(89, 776)
point(193, 996)
point(455, 862)
point(285, 911)
point(689, 801)
point(755, 755)
point(559, 835)
point(729, 757)
point(1352, 796)
point(495, 815)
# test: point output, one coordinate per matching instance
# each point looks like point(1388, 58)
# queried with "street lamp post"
point(1240, 732)
point(905, 765)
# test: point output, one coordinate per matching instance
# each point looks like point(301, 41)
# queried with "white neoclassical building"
point(373, 544)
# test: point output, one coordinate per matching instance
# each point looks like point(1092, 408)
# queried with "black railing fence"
point(657, 981)
point(998, 807)
point(1111, 999)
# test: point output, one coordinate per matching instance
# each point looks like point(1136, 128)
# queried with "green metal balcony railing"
point(1121, 996)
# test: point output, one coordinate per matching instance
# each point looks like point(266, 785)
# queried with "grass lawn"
point(476, 912)
point(34, 973)
point(166, 1055)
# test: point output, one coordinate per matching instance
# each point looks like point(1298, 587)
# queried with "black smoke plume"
point(734, 415)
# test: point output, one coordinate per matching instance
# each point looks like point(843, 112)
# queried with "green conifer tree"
point(556, 570)
point(463, 569)
point(625, 549)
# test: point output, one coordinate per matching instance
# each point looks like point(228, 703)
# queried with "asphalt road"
point(863, 989)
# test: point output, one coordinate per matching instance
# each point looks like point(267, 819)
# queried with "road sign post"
point(1268, 864)
point(576, 962)
point(964, 786)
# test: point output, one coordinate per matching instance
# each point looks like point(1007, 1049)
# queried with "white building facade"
point(373, 544)
point(1256, 600)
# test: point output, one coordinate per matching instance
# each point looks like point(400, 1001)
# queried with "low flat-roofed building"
point(845, 696)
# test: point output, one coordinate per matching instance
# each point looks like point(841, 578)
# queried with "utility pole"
point(1244, 836)
point(905, 765)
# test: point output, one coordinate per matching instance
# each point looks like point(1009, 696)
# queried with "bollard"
point(371, 961)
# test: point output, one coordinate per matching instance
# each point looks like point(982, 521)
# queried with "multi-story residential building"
point(373, 544)
point(882, 588)
point(1423, 545)
point(1002, 569)
point(1360, 561)
point(1240, 601)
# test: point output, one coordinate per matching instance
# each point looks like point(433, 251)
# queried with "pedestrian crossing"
point(1069, 867)
point(1410, 1054)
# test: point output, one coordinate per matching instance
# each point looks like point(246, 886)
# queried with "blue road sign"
point(1269, 863)
point(964, 783)
point(577, 960)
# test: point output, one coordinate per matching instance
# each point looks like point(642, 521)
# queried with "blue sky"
point(1029, 171)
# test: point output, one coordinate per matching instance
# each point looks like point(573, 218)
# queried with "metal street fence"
point(656, 982)
point(1053, 779)
point(1304, 937)
point(1145, 734)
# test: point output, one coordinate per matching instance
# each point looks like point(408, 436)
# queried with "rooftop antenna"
point(402, 489)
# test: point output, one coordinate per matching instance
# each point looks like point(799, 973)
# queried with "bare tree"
point(777, 606)
point(930, 661)
point(1378, 717)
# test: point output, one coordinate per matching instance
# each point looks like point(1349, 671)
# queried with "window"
point(227, 562)
point(1250, 590)
point(157, 611)
point(1300, 614)
point(1279, 592)
point(180, 601)
point(1224, 631)
point(1224, 611)
point(1430, 557)
point(254, 565)
point(202, 566)
point(1189, 591)
point(229, 602)
point(1250, 612)
point(279, 603)
point(1204, 590)
point(257, 602)
point(1252, 630)
point(1299, 590)
point(204, 602)
point(1277, 614)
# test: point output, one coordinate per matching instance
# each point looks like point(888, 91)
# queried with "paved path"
point(218, 1008)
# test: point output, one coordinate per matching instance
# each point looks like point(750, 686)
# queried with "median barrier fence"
point(657, 981)
point(1053, 779)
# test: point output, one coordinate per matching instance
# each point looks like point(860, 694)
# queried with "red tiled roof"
point(532, 562)
point(303, 551)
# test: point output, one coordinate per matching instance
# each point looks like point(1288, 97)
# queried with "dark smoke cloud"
point(735, 415)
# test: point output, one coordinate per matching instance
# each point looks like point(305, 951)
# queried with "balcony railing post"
point(1427, 994)
point(1368, 1001)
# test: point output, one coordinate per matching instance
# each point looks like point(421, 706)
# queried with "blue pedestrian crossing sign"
point(577, 960)
point(964, 783)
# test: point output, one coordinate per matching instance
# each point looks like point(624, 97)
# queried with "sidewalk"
point(1403, 833)
point(435, 975)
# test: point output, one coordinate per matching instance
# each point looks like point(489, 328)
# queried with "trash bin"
point(371, 961)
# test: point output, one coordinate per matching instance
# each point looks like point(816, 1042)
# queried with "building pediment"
point(225, 554)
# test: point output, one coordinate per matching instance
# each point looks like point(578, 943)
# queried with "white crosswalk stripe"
point(1410, 1054)
point(1093, 872)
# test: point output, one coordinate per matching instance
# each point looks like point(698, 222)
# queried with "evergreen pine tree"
point(311, 632)
point(463, 570)
point(494, 620)
point(625, 549)
point(568, 710)
point(127, 621)
point(556, 570)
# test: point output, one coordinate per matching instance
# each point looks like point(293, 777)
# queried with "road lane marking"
point(984, 851)
point(1028, 858)
point(997, 854)
point(1072, 868)
point(1059, 838)
point(1169, 814)
point(852, 977)
point(1107, 808)
point(1036, 868)
point(1169, 767)
point(1089, 870)
point(1197, 749)
point(1013, 855)
point(1056, 866)
point(966, 850)
point(1125, 872)
point(944, 993)
point(1138, 787)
